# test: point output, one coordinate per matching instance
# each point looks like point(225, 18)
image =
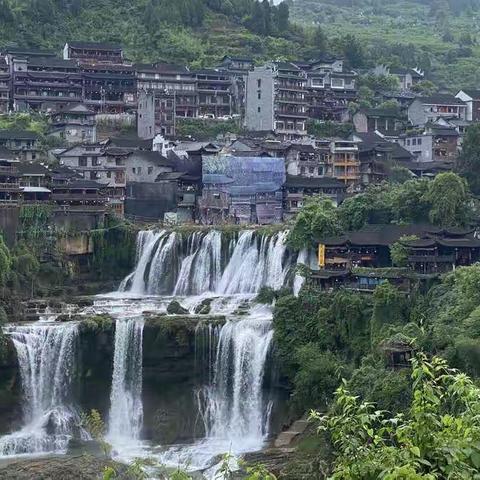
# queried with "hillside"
point(439, 36)
point(197, 32)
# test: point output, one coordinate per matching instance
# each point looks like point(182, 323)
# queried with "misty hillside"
point(440, 36)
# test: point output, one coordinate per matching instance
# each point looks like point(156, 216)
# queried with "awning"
point(35, 190)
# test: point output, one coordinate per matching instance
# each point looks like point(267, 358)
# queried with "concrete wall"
point(256, 120)
point(151, 200)
point(136, 161)
point(146, 115)
point(78, 220)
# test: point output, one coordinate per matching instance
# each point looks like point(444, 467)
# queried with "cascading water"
point(169, 263)
point(46, 357)
point(234, 407)
point(126, 409)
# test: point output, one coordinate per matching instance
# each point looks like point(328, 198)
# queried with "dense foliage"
point(468, 163)
point(437, 36)
point(322, 337)
point(196, 32)
point(437, 437)
point(445, 201)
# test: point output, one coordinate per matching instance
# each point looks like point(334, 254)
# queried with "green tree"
point(399, 252)
point(5, 262)
point(468, 163)
point(438, 437)
point(318, 218)
point(450, 200)
point(425, 87)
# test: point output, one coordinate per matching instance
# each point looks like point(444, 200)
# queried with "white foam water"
point(46, 359)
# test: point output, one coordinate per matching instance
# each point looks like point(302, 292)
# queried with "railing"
point(65, 197)
point(9, 186)
point(9, 170)
point(432, 258)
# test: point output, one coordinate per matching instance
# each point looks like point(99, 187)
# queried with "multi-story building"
point(109, 88)
point(93, 52)
point(388, 121)
point(74, 124)
point(215, 93)
point(344, 162)
point(435, 143)
point(9, 177)
point(23, 144)
point(297, 189)
point(156, 114)
point(41, 83)
point(238, 65)
point(330, 87)
point(276, 100)
point(472, 99)
point(106, 166)
point(5, 79)
point(109, 81)
point(429, 109)
point(307, 160)
point(171, 80)
point(407, 77)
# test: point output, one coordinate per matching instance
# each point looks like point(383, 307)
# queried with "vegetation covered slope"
point(197, 32)
point(439, 36)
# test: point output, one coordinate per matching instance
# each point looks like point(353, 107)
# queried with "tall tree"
point(468, 163)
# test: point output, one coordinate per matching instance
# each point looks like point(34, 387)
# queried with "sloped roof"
point(474, 94)
point(18, 135)
point(30, 168)
point(154, 157)
point(441, 99)
point(380, 234)
point(314, 182)
point(95, 45)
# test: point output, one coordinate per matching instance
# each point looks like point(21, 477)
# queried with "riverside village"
point(239, 240)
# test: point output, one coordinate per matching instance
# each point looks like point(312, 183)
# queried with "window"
point(139, 170)
point(109, 174)
point(259, 95)
point(337, 83)
point(408, 141)
point(95, 161)
point(259, 83)
point(82, 161)
point(150, 170)
point(259, 109)
point(302, 170)
point(317, 82)
point(93, 175)
point(134, 170)
point(320, 171)
point(419, 141)
point(311, 170)
point(414, 141)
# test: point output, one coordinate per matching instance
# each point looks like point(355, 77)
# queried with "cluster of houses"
point(261, 176)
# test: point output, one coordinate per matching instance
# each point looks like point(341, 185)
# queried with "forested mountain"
point(439, 36)
point(192, 31)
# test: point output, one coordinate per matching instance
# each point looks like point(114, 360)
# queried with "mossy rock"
point(97, 324)
point(205, 307)
point(174, 308)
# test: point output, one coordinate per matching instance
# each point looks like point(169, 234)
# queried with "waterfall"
point(46, 357)
point(234, 409)
point(174, 263)
point(126, 409)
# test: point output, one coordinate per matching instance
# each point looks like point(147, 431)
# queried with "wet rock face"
point(80, 467)
point(10, 387)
